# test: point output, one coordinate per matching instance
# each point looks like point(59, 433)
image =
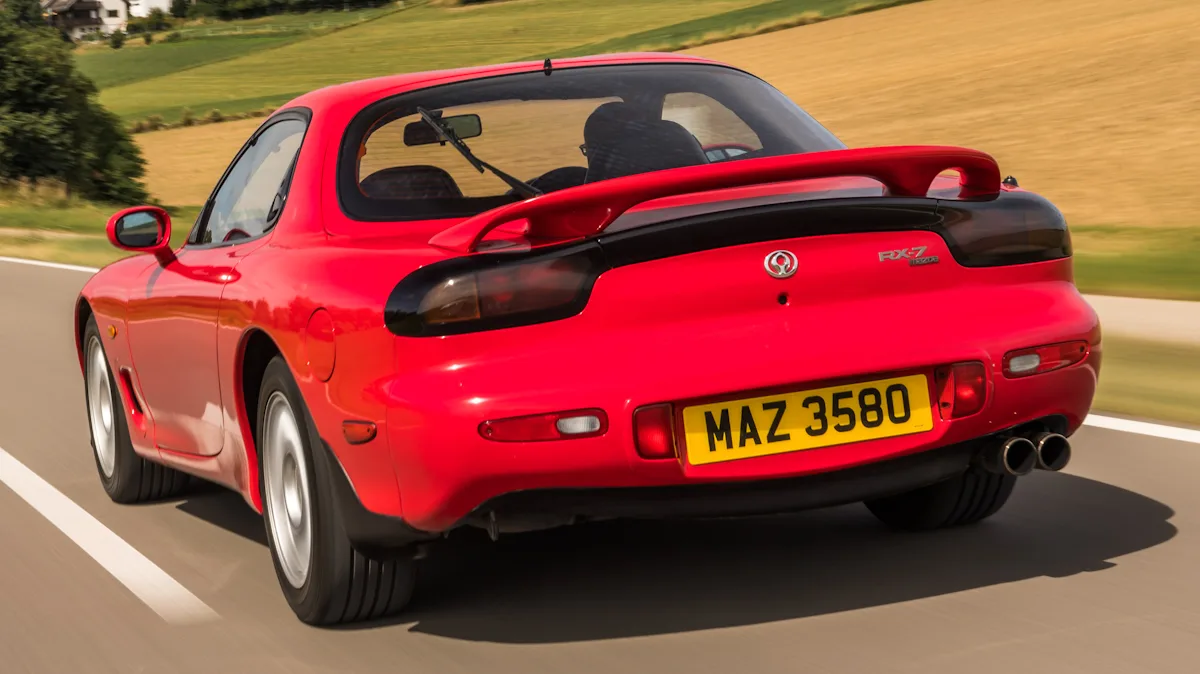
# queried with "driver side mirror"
point(143, 229)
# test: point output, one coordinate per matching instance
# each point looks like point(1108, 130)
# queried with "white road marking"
point(162, 593)
point(52, 265)
point(1143, 428)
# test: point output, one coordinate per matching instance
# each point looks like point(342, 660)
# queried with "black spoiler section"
point(905, 171)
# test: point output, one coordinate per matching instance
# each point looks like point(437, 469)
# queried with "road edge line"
point(1143, 428)
point(164, 595)
point(51, 265)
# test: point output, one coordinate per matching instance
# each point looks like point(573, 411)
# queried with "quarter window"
point(251, 196)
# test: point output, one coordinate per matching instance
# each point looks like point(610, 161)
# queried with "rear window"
point(553, 132)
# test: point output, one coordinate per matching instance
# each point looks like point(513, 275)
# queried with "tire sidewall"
point(125, 459)
point(327, 560)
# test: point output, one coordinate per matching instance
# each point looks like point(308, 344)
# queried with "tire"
point(125, 476)
point(324, 579)
point(969, 498)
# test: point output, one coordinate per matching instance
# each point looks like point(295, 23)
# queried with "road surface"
point(1093, 570)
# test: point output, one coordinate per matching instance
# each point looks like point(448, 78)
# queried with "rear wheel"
point(325, 580)
point(126, 477)
point(966, 499)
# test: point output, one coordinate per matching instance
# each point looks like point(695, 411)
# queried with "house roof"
point(60, 6)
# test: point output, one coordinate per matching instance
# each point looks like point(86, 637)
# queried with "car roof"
point(364, 91)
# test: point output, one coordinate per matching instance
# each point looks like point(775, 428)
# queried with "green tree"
point(51, 125)
point(179, 8)
point(117, 39)
point(157, 20)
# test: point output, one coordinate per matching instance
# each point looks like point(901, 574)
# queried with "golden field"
point(1094, 103)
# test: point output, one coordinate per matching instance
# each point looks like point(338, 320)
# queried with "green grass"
point(82, 218)
point(429, 37)
point(1138, 261)
point(307, 22)
point(210, 41)
point(135, 62)
point(1151, 380)
point(70, 231)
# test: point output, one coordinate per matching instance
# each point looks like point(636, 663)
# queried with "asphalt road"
point(1092, 570)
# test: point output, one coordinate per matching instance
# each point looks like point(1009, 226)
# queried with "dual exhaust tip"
point(1020, 455)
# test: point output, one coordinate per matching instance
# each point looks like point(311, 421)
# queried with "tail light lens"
point(542, 427)
point(1039, 359)
point(654, 432)
point(491, 291)
point(1014, 228)
point(962, 389)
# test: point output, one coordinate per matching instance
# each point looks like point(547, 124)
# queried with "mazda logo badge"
point(781, 264)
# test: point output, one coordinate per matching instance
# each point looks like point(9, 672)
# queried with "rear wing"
point(905, 171)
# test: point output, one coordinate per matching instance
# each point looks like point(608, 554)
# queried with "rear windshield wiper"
point(447, 134)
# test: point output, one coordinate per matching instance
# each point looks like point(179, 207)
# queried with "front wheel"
point(125, 476)
point(324, 579)
point(968, 498)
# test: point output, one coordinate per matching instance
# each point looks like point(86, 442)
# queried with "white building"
point(80, 17)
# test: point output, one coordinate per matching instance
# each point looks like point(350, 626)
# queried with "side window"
point(250, 198)
point(714, 125)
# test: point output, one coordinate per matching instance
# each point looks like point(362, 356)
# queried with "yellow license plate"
point(789, 422)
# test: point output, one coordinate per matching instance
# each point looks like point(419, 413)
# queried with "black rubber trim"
point(375, 536)
point(760, 497)
point(357, 206)
point(299, 113)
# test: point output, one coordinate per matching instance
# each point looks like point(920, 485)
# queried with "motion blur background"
point(1092, 103)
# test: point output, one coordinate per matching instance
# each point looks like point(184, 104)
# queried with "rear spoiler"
point(906, 171)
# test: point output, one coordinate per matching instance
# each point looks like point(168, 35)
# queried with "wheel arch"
point(257, 350)
point(83, 311)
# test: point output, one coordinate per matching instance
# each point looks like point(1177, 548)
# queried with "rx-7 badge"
point(915, 256)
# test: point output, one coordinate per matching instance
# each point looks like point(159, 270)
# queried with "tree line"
point(52, 127)
point(248, 9)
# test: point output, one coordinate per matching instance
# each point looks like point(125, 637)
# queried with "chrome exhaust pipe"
point(1053, 451)
point(1014, 456)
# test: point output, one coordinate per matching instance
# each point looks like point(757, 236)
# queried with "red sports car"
point(526, 295)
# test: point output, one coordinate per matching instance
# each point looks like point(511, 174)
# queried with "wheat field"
point(1094, 103)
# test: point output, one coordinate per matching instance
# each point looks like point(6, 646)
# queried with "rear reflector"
point(962, 389)
point(552, 426)
point(654, 432)
point(1046, 358)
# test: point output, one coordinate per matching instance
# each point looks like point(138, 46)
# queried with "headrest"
point(410, 182)
point(642, 147)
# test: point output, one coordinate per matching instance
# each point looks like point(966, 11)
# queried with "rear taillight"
point(542, 427)
point(1039, 359)
point(491, 291)
point(1014, 228)
point(962, 389)
point(654, 432)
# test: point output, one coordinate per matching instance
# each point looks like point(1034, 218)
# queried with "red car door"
point(173, 312)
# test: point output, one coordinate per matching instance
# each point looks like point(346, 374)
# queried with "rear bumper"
point(381, 535)
point(445, 472)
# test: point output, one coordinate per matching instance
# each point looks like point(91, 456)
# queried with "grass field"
point(1151, 380)
point(306, 22)
point(209, 41)
point(440, 37)
point(1111, 134)
point(137, 61)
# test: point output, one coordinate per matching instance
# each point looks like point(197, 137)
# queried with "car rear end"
point(704, 364)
